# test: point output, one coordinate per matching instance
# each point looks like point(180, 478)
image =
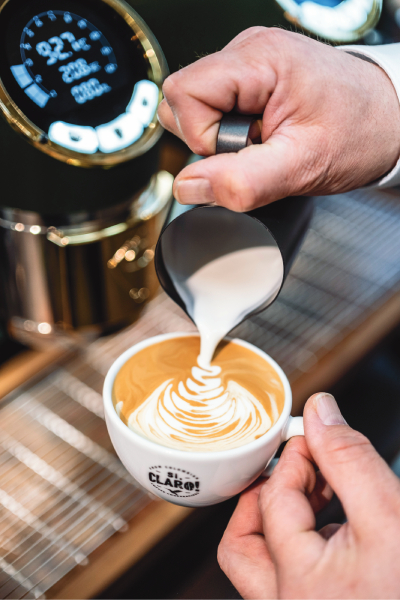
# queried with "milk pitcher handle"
point(233, 134)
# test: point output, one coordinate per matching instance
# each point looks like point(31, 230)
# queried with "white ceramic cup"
point(195, 478)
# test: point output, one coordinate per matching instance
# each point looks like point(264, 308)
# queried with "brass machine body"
point(78, 230)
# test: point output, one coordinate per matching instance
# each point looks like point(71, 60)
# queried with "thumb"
point(255, 176)
point(348, 461)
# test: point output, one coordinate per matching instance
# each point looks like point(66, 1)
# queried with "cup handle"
point(294, 426)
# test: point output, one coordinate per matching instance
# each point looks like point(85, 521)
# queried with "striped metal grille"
point(63, 492)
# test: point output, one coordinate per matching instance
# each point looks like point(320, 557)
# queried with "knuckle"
point(273, 36)
point(247, 35)
point(312, 166)
point(197, 144)
point(257, 31)
point(349, 445)
point(223, 554)
point(169, 87)
point(269, 497)
point(256, 40)
point(163, 112)
point(238, 193)
point(289, 40)
point(266, 34)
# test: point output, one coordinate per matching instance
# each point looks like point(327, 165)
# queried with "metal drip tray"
point(63, 492)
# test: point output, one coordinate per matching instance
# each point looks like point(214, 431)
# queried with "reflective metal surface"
point(89, 273)
point(63, 491)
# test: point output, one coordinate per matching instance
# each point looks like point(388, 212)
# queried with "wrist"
point(388, 101)
point(383, 84)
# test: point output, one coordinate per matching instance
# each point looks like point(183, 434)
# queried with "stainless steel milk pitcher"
point(282, 224)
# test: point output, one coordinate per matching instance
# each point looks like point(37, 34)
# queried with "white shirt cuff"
point(388, 58)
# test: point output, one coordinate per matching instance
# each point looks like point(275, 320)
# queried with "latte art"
point(160, 395)
point(202, 413)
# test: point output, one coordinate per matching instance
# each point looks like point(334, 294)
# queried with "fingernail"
point(194, 191)
point(328, 410)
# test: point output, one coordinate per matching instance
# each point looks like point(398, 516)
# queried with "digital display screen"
point(77, 71)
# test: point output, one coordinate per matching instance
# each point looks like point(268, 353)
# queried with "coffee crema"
point(162, 396)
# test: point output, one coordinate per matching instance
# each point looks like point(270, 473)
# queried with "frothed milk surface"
point(162, 395)
point(224, 266)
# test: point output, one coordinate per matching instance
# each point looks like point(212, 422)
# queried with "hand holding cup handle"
point(294, 426)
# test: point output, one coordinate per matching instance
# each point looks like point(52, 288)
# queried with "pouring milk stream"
point(224, 265)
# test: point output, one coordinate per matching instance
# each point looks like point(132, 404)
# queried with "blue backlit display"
point(77, 74)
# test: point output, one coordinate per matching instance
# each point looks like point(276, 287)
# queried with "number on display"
point(89, 90)
point(78, 69)
point(54, 47)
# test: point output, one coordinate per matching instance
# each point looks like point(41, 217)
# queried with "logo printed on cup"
point(174, 482)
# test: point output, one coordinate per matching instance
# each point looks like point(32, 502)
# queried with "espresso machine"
point(82, 199)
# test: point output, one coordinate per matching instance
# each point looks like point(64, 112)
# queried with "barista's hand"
point(271, 549)
point(331, 121)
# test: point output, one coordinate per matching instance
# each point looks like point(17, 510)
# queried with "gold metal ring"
point(157, 71)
